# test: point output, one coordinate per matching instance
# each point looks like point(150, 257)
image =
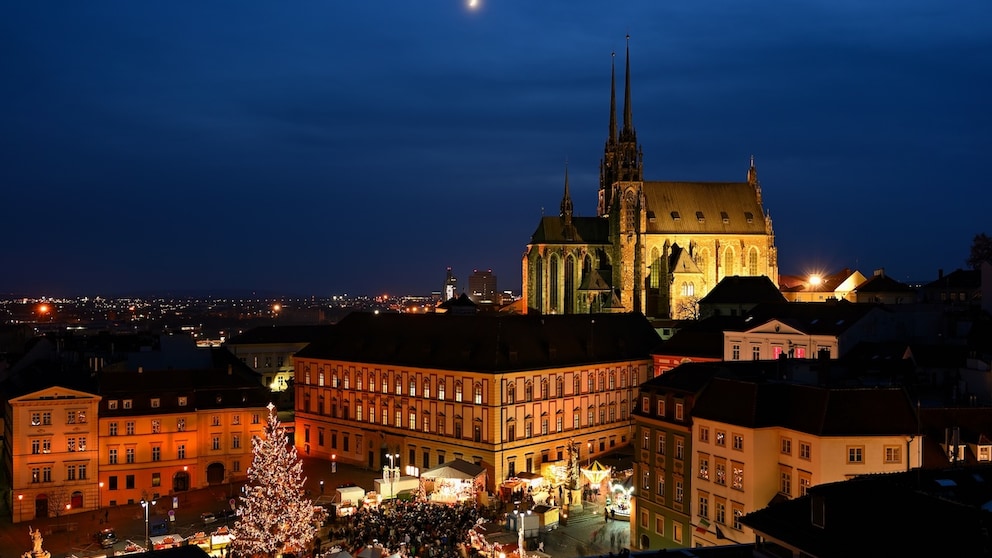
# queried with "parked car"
point(106, 538)
point(208, 518)
point(159, 528)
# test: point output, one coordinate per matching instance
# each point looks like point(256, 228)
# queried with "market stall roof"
point(595, 472)
point(527, 475)
point(457, 469)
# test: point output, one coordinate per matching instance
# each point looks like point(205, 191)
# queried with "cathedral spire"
point(628, 110)
point(612, 138)
point(568, 230)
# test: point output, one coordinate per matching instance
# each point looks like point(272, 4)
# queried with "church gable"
point(681, 262)
point(775, 326)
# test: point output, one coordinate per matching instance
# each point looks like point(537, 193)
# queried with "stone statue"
point(38, 552)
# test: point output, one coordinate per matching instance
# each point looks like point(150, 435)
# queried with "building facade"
point(655, 247)
point(508, 392)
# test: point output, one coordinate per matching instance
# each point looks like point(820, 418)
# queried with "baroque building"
point(654, 247)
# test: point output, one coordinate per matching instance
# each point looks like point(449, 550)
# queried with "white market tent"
point(455, 481)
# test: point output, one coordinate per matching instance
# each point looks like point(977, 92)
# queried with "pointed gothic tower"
point(567, 228)
point(622, 157)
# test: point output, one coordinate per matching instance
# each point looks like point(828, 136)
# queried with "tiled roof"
point(486, 342)
point(821, 411)
point(958, 279)
point(883, 284)
point(813, 318)
point(743, 289)
point(702, 338)
point(915, 513)
point(588, 230)
point(701, 207)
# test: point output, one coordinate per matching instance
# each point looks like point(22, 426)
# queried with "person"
point(540, 546)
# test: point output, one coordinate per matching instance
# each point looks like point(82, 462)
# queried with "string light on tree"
point(275, 516)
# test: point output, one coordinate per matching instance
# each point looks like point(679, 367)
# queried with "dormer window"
point(700, 217)
point(676, 217)
point(749, 217)
point(725, 217)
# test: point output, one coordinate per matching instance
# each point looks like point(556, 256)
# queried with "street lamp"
point(334, 463)
point(20, 498)
point(146, 504)
point(589, 455)
point(391, 472)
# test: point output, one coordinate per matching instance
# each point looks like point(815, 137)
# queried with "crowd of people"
point(410, 529)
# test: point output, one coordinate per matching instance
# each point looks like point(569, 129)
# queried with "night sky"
point(330, 147)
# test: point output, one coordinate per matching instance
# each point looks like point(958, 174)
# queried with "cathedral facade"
point(653, 247)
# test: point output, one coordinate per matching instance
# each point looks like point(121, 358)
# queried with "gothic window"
point(655, 280)
point(688, 289)
point(728, 262)
point(629, 211)
point(568, 306)
point(752, 261)
point(539, 289)
point(553, 285)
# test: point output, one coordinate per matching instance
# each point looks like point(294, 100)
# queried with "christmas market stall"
point(595, 474)
point(454, 481)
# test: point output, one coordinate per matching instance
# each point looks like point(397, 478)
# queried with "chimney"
point(880, 272)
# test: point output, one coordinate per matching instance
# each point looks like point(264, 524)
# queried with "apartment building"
point(508, 392)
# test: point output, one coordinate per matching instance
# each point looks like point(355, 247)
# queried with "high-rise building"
point(654, 247)
point(450, 288)
point(482, 287)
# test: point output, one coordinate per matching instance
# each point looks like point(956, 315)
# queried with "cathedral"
point(653, 247)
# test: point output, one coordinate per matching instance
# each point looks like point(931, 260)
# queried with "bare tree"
point(687, 308)
point(58, 501)
point(981, 251)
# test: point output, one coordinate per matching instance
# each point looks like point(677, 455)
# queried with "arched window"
point(413, 388)
point(528, 390)
point(688, 289)
point(655, 280)
point(559, 387)
point(629, 211)
point(358, 381)
point(728, 263)
point(553, 285)
point(511, 393)
point(458, 392)
point(602, 381)
point(347, 380)
point(544, 388)
point(539, 287)
point(576, 384)
point(752, 261)
point(477, 398)
point(569, 304)
point(427, 389)
point(613, 380)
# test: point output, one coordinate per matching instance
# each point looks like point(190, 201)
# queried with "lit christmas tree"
point(275, 516)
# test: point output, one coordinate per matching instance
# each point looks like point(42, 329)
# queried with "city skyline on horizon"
point(350, 149)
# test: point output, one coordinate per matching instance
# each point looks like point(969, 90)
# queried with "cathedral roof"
point(588, 230)
point(703, 208)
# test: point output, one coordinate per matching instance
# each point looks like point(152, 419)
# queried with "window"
point(413, 420)
point(46, 445)
point(679, 491)
point(215, 443)
point(156, 453)
point(183, 400)
point(659, 524)
point(721, 438)
point(255, 418)
point(646, 480)
point(590, 383)
point(70, 472)
point(458, 392)
point(426, 392)
point(720, 512)
point(215, 420)
point(35, 419)
point(129, 482)
point(893, 454)
point(399, 385)
point(440, 390)
point(36, 446)
point(156, 402)
point(82, 444)
point(82, 471)
point(477, 399)
point(70, 443)
point(156, 426)
point(785, 481)
point(397, 418)
point(236, 441)
point(738, 442)
point(46, 473)
point(180, 451)
point(738, 514)
point(661, 485)
point(804, 450)
point(112, 482)
point(755, 352)
point(35, 474)
point(236, 419)
point(855, 454)
point(704, 434)
point(112, 428)
point(787, 446)
point(112, 404)
point(661, 407)
point(559, 423)
point(112, 456)
point(46, 418)
point(320, 378)
point(156, 479)
point(181, 424)
point(738, 479)
point(805, 481)
point(128, 403)
point(129, 428)
point(679, 411)
point(544, 427)
point(679, 448)
point(70, 417)
point(646, 440)
point(677, 531)
point(358, 413)
point(129, 455)
point(720, 472)
point(704, 466)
